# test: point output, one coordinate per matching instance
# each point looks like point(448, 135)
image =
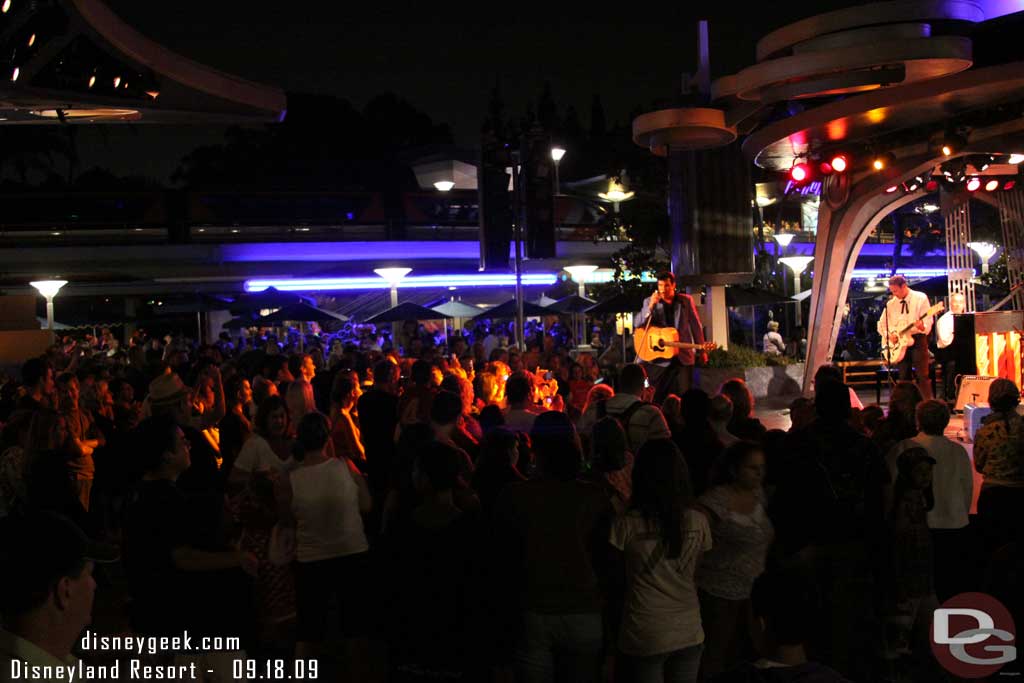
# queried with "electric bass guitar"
point(663, 343)
point(893, 353)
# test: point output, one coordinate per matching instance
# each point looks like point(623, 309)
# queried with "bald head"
point(957, 303)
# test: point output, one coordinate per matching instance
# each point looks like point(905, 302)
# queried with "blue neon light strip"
point(410, 282)
point(864, 273)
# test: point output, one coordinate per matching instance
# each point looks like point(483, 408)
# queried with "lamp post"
point(985, 251)
point(797, 264)
point(579, 275)
point(556, 155)
point(616, 193)
point(393, 276)
point(48, 289)
point(782, 239)
point(444, 185)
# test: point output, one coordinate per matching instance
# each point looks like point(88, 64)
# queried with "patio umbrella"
point(269, 298)
point(575, 305)
point(572, 304)
point(301, 312)
point(199, 303)
point(752, 296)
point(407, 311)
point(508, 310)
point(623, 302)
point(457, 310)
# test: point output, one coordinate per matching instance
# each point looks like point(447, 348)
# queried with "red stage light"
point(992, 185)
point(799, 173)
point(839, 163)
point(1010, 184)
point(932, 186)
point(825, 168)
point(973, 184)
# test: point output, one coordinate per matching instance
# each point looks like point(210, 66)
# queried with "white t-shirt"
point(257, 455)
point(952, 481)
point(661, 611)
point(325, 502)
point(520, 420)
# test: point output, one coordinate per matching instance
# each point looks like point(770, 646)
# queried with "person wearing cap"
point(999, 455)
point(908, 307)
point(169, 397)
point(46, 589)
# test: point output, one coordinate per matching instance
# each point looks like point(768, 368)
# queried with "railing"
point(180, 217)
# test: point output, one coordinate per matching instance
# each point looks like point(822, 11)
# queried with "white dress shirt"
point(944, 330)
point(895, 319)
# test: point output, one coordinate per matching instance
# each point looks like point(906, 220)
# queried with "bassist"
point(905, 307)
point(668, 308)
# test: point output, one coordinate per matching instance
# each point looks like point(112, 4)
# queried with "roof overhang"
point(78, 62)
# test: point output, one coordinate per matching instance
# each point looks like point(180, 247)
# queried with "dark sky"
point(442, 57)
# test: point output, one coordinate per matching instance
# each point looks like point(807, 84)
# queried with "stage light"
point(931, 186)
point(839, 163)
point(913, 185)
point(878, 164)
point(973, 184)
point(117, 81)
point(92, 80)
point(32, 40)
point(15, 74)
point(6, 6)
point(444, 185)
point(799, 173)
point(891, 189)
point(825, 168)
point(1016, 158)
point(992, 185)
point(1010, 184)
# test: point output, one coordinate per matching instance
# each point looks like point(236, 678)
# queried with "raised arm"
point(641, 318)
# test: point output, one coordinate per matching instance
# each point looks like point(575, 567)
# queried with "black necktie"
point(903, 306)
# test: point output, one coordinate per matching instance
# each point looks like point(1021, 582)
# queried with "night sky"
point(442, 59)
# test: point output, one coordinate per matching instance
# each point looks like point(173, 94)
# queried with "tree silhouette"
point(324, 143)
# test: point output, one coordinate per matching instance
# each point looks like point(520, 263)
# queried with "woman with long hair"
point(741, 535)
point(662, 539)
point(235, 426)
point(743, 424)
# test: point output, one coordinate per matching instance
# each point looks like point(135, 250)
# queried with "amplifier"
point(973, 415)
point(973, 389)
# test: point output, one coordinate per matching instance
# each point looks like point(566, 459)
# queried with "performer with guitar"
point(668, 337)
point(904, 328)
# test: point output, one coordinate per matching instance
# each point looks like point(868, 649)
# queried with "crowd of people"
point(477, 514)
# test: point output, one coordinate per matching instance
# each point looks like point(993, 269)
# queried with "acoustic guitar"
point(661, 343)
point(894, 353)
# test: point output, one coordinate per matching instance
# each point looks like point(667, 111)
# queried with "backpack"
point(623, 418)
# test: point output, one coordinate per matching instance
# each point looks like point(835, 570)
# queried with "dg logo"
point(973, 635)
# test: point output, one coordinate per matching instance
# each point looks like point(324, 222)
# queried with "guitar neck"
point(683, 345)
